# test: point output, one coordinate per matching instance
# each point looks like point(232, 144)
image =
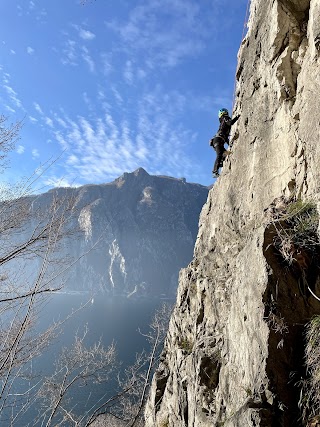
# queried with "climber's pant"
point(218, 145)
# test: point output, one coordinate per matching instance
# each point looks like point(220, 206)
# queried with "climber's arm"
point(235, 119)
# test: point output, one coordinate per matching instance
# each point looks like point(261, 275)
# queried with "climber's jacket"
point(225, 127)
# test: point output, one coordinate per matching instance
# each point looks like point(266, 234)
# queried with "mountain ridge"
point(146, 227)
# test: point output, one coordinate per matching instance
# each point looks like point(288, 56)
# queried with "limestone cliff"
point(234, 351)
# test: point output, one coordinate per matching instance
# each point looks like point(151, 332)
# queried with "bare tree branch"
point(31, 235)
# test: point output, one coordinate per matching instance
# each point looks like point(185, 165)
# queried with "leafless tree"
point(126, 409)
point(30, 235)
point(31, 269)
point(78, 366)
point(81, 366)
point(9, 135)
point(28, 262)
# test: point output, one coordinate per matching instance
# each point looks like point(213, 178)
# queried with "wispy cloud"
point(13, 52)
point(74, 49)
point(48, 121)
point(101, 97)
point(31, 9)
point(117, 95)
point(30, 50)
point(128, 72)
point(35, 153)
point(102, 148)
point(42, 14)
point(74, 52)
point(20, 149)
point(86, 34)
point(13, 96)
point(61, 122)
point(88, 101)
point(106, 63)
point(10, 109)
point(88, 59)
point(57, 182)
point(69, 54)
point(33, 119)
point(164, 32)
point(83, 33)
point(38, 108)
point(5, 76)
point(141, 74)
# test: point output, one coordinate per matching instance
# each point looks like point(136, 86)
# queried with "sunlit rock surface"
point(225, 363)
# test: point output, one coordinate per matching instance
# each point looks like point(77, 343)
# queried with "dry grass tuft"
point(296, 225)
point(277, 323)
point(310, 391)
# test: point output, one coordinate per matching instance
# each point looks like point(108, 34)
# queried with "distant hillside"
point(146, 227)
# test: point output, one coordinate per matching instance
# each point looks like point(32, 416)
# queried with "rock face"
point(143, 230)
point(234, 350)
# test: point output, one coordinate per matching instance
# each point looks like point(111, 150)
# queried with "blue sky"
point(112, 85)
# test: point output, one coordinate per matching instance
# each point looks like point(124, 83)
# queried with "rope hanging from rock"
point(313, 294)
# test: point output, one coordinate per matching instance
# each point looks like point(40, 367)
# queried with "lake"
point(113, 319)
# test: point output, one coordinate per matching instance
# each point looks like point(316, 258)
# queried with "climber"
point(221, 138)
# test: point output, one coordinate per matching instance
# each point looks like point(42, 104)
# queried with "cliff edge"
point(234, 353)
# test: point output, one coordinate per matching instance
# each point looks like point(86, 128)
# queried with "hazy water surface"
point(113, 319)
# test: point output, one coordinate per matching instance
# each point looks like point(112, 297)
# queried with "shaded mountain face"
point(138, 230)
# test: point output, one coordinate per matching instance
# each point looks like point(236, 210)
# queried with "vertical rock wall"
point(234, 350)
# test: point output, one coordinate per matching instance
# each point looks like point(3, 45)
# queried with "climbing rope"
point(313, 294)
point(242, 37)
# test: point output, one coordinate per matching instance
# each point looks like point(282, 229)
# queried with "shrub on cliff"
point(311, 389)
point(296, 236)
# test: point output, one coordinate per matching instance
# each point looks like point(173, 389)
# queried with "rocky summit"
point(135, 233)
point(234, 353)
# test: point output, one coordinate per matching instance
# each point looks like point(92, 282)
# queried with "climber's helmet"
point(223, 112)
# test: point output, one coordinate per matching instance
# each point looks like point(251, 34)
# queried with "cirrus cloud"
point(102, 148)
point(164, 32)
point(86, 35)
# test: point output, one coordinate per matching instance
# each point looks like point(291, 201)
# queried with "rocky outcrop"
point(234, 351)
point(137, 232)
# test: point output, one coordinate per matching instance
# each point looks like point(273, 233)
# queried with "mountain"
point(235, 349)
point(137, 231)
